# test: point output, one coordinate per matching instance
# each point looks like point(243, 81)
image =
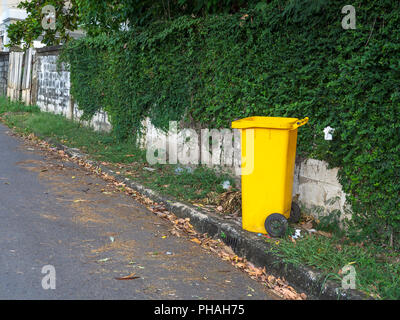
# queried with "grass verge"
point(377, 269)
point(183, 183)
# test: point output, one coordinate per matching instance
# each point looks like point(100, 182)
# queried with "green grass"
point(15, 106)
point(124, 156)
point(377, 268)
point(192, 186)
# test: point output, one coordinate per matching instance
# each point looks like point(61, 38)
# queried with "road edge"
point(243, 243)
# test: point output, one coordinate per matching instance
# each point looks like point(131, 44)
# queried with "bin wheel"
point(276, 225)
point(295, 213)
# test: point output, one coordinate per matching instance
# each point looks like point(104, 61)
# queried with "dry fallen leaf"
point(307, 225)
point(325, 234)
point(130, 277)
point(195, 240)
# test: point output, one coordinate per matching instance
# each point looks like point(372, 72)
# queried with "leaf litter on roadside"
point(182, 226)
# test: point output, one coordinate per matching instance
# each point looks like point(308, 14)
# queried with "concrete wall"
point(4, 56)
point(52, 85)
point(51, 88)
point(315, 186)
point(318, 189)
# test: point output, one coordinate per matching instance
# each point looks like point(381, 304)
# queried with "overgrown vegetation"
point(104, 16)
point(377, 269)
point(26, 31)
point(288, 58)
point(7, 106)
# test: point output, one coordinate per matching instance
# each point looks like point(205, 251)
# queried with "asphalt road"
point(53, 212)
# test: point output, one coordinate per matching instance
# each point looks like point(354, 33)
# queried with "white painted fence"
point(15, 75)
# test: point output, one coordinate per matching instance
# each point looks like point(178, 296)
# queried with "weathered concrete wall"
point(315, 186)
point(4, 56)
point(15, 68)
point(318, 188)
point(26, 85)
point(51, 85)
point(99, 121)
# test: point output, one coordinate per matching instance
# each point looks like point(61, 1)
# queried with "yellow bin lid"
point(269, 122)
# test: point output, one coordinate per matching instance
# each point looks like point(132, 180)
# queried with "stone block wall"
point(52, 89)
point(4, 57)
point(52, 85)
point(315, 186)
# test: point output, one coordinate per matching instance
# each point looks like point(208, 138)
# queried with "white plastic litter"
point(297, 234)
point(328, 131)
point(226, 185)
point(180, 170)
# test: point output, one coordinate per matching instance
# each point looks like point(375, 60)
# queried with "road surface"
point(55, 213)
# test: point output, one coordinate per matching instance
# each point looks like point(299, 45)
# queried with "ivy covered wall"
point(282, 58)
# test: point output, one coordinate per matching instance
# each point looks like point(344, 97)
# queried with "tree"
point(99, 16)
point(104, 16)
point(35, 25)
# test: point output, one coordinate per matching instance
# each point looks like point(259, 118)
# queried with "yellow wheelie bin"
point(268, 158)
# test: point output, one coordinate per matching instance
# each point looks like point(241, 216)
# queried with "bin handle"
point(301, 123)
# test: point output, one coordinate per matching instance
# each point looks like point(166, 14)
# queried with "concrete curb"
point(243, 243)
